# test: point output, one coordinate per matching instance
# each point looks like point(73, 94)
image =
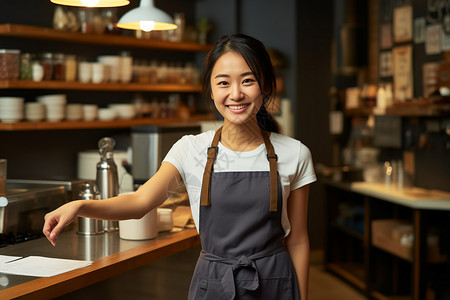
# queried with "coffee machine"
point(150, 145)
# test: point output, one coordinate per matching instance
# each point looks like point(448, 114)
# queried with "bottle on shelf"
point(26, 71)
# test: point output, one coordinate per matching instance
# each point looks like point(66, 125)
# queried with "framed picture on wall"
point(385, 63)
point(433, 39)
point(430, 78)
point(419, 30)
point(402, 72)
point(403, 29)
point(386, 36)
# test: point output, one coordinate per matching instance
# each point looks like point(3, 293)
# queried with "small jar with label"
point(71, 67)
point(26, 71)
point(47, 65)
point(59, 72)
point(9, 64)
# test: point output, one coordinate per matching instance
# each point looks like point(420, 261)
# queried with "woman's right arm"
point(128, 206)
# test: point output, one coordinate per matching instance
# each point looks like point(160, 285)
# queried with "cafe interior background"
point(361, 83)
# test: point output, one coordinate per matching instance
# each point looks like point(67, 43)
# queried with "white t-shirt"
point(294, 165)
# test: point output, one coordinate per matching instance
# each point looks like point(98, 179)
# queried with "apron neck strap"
point(272, 158)
point(212, 154)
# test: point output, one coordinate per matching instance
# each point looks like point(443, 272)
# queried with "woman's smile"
point(237, 109)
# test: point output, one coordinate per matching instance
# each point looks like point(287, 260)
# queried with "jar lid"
point(58, 56)
point(11, 51)
point(47, 55)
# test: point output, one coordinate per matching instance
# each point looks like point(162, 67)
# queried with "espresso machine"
point(150, 145)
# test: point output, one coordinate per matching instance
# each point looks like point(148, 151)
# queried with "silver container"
point(107, 178)
point(88, 226)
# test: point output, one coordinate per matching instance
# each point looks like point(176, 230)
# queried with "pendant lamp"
point(146, 17)
point(92, 3)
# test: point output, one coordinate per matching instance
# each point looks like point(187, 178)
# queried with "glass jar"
point(86, 20)
point(71, 67)
point(59, 72)
point(26, 72)
point(110, 19)
point(9, 64)
point(47, 65)
point(38, 71)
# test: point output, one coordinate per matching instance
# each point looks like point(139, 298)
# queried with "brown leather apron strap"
point(206, 183)
point(212, 154)
point(272, 158)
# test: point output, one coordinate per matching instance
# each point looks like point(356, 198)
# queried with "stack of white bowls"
point(114, 63)
point(11, 109)
point(34, 111)
point(90, 112)
point(125, 111)
point(55, 106)
point(74, 112)
point(107, 114)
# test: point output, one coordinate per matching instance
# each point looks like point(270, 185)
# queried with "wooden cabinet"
point(363, 243)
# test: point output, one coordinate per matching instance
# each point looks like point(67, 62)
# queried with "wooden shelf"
point(419, 108)
point(71, 125)
point(380, 296)
point(126, 87)
point(416, 108)
point(348, 231)
point(43, 33)
point(351, 272)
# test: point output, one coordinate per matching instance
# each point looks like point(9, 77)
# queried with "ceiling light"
point(146, 17)
point(92, 3)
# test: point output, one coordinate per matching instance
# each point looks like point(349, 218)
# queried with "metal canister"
point(88, 226)
point(107, 178)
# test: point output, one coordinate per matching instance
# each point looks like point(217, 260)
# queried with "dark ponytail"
point(258, 59)
point(266, 121)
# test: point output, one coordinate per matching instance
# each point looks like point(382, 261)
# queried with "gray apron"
point(242, 255)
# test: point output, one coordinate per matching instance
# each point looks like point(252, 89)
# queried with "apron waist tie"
point(234, 265)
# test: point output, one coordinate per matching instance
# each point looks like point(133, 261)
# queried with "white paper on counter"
point(6, 258)
point(39, 266)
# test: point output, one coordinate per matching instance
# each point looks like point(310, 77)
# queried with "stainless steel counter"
point(111, 256)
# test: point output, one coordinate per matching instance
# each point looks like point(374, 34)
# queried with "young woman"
point(248, 186)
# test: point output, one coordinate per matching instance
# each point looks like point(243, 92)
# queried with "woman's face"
point(235, 91)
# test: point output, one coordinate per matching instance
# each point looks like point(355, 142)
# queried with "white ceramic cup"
point(97, 72)
point(85, 72)
point(114, 62)
point(126, 70)
point(90, 112)
point(139, 229)
point(165, 219)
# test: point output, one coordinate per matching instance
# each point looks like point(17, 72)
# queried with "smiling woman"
point(248, 186)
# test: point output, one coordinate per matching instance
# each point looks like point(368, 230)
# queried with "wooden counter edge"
point(104, 268)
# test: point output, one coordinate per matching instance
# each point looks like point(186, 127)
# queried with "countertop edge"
point(390, 194)
point(104, 268)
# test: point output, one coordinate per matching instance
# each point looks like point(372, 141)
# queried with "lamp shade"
point(146, 17)
point(92, 3)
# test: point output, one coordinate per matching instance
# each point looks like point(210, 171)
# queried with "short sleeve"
point(305, 169)
point(177, 155)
